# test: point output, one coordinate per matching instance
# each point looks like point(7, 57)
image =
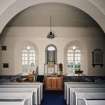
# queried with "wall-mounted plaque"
point(5, 65)
point(4, 48)
point(97, 57)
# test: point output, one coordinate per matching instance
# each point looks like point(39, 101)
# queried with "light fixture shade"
point(51, 35)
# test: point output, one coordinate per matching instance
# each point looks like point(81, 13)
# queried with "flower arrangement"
point(78, 71)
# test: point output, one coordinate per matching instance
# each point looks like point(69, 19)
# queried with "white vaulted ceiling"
point(10, 8)
point(62, 15)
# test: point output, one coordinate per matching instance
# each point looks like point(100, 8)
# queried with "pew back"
point(74, 90)
point(26, 84)
point(88, 96)
point(8, 102)
point(94, 102)
point(34, 90)
point(27, 96)
point(37, 85)
point(69, 85)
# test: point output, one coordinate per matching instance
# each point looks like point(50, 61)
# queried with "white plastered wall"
point(88, 39)
point(9, 8)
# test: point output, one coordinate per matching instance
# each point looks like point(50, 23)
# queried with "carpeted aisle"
point(53, 98)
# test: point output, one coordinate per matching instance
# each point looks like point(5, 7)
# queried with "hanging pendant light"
point(51, 35)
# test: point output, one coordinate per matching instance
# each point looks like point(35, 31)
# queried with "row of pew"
point(84, 93)
point(21, 93)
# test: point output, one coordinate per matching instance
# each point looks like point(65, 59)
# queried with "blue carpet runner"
point(53, 98)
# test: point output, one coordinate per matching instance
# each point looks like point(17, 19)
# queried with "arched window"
point(28, 58)
point(73, 58)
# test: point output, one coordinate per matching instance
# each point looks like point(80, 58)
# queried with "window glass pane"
point(32, 51)
point(51, 48)
point(70, 58)
point(31, 58)
point(70, 62)
point(71, 51)
point(76, 55)
point(33, 62)
point(22, 62)
point(76, 62)
point(24, 51)
point(73, 58)
point(25, 62)
point(25, 58)
point(28, 57)
point(78, 51)
point(70, 54)
point(33, 55)
point(76, 58)
point(22, 58)
point(25, 54)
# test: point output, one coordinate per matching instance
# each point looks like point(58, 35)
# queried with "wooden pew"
point(73, 90)
point(80, 96)
point(95, 102)
point(28, 85)
point(68, 85)
point(25, 89)
point(12, 102)
point(27, 96)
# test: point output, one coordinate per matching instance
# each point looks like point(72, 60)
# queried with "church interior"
point(52, 52)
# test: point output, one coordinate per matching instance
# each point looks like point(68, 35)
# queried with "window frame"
point(26, 54)
point(73, 56)
point(48, 54)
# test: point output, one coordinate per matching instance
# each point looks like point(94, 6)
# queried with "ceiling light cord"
point(51, 35)
point(50, 24)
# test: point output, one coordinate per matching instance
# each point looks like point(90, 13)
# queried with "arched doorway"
point(51, 54)
point(50, 60)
